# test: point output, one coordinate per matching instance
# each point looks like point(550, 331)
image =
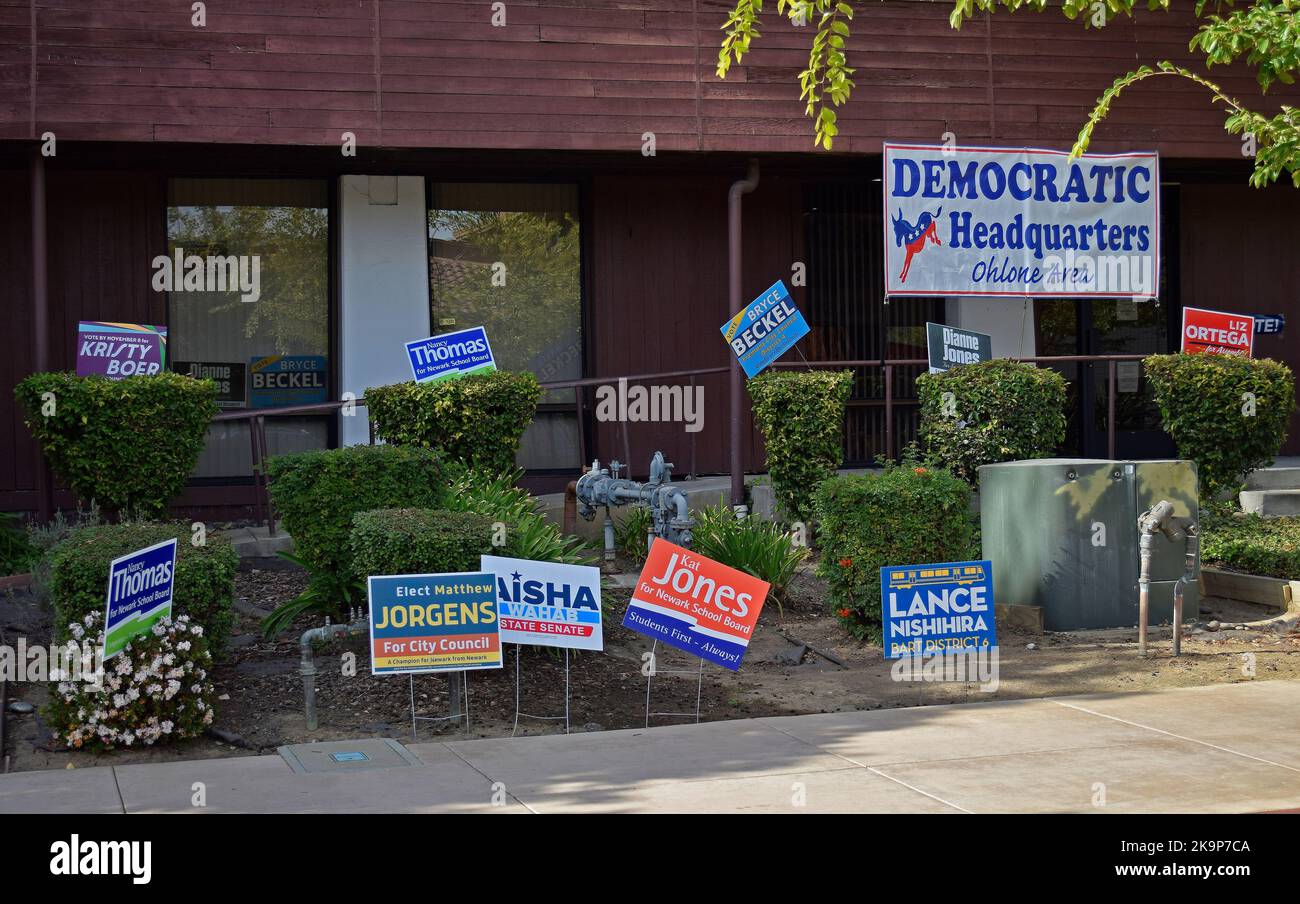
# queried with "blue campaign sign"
point(1269, 324)
point(139, 594)
point(929, 609)
point(275, 381)
point(765, 330)
point(451, 355)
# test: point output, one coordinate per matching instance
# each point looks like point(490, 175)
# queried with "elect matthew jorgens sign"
point(1018, 222)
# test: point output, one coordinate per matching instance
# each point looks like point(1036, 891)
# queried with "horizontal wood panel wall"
point(578, 74)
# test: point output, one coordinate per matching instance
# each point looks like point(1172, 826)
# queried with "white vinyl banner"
point(1019, 222)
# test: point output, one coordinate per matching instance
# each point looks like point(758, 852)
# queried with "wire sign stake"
point(458, 702)
point(650, 676)
point(518, 712)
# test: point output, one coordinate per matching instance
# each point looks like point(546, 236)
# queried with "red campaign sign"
point(1217, 333)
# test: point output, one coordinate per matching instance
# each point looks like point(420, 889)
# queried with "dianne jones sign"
point(1019, 222)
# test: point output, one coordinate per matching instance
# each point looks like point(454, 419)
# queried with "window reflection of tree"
point(292, 243)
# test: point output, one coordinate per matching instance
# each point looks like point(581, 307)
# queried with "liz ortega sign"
point(1019, 222)
point(547, 604)
point(139, 594)
point(1218, 333)
point(433, 623)
point(765, 330)
point(946, 607)
point(696, 604)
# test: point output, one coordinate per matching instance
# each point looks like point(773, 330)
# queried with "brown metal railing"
point(265, 514)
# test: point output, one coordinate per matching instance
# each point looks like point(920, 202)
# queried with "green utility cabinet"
point(1062, 534)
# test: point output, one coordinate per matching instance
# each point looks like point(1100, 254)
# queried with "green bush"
point(419, 541)
point(17, 554)
point(801, 415)
point(1203, 404)
point(630, 533)
point(476, 420)
point(317, 493)
point(1249, 543)
point(528, 534)
point(126, 444)
point(904, 515)
point(1000, 410)
point(756, 547)
point(203, 588)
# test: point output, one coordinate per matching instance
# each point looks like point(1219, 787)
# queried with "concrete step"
point(256, 543)
point(1287, 478)
point(1271, 503)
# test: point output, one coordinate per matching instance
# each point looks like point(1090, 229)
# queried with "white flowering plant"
point(156, 690)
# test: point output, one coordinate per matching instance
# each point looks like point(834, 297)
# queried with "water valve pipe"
point(1160, 519)
point(669, 509)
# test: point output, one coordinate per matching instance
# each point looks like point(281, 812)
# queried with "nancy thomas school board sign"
point(1019, 222)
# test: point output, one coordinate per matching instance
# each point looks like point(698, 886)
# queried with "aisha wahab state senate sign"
point(1021, 223)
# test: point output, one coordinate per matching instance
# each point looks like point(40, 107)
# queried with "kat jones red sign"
point(1217, 333)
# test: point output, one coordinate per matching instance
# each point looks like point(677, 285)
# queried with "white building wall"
point(384, 285)
point(1009, 321)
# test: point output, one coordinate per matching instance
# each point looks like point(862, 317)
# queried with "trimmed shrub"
point(157, 689)
point(1204, 405)
point(203, 588)
point(126, 444)
point(903, 515)
point(419, 541)
point(756, 547)
point(801, 414)
point(1000, 410)
point(17, 553)
point(476, 420)
point(317, 493)
point(1249, 543)
point(528, 534)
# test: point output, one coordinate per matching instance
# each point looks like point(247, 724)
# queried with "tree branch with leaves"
point(1263, 34)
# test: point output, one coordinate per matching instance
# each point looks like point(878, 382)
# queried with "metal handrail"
point(257, 416)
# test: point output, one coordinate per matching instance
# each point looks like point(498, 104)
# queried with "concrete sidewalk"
point(1227, 748)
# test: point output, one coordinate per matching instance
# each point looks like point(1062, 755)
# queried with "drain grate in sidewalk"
point(347, 756)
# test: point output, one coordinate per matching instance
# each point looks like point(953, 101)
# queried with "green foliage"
point(317, 493)
point(756, 547)
point(154, 691)
point(631, 532)
point(1249, 543)
point(905, 515)
point(45, 538)
point(476, 420)
point(529, 535)
point(203, 588)
point(17, 554)
point(1262, 34)
point(801, 414)
point(1203, 404)
point(126, 444)
point(328, 593)
point(1000, 410)
point(419, 541)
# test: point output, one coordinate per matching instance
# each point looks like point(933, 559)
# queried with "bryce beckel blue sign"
point(929, 609)
point(450, 355)
point(139, 594)
point(765, 330)
point(278, 380)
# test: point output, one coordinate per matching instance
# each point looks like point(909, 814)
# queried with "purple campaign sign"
point(118, 350)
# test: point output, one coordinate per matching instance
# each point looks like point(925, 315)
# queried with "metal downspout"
point(738, 189)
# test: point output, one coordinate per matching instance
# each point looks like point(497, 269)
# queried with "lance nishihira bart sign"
point(139, 594)
point(937, 608)
point(765, 330)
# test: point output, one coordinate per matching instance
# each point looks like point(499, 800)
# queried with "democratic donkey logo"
point(913, 238)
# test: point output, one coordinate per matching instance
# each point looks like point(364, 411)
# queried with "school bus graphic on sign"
point(960, 575)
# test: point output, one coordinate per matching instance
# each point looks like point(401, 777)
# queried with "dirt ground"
point(260, 703)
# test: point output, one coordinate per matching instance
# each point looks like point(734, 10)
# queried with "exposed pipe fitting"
point(357, 624)
point(669, 507)
point(1160, 519)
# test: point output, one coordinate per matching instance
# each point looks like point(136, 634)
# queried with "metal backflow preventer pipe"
point(1160, 519)
point(357, 624)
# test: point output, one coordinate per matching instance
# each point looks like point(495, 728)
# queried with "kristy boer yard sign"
point(1019, 222)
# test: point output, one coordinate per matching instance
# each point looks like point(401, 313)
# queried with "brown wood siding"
point(1239, 254)
point(579, 74)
